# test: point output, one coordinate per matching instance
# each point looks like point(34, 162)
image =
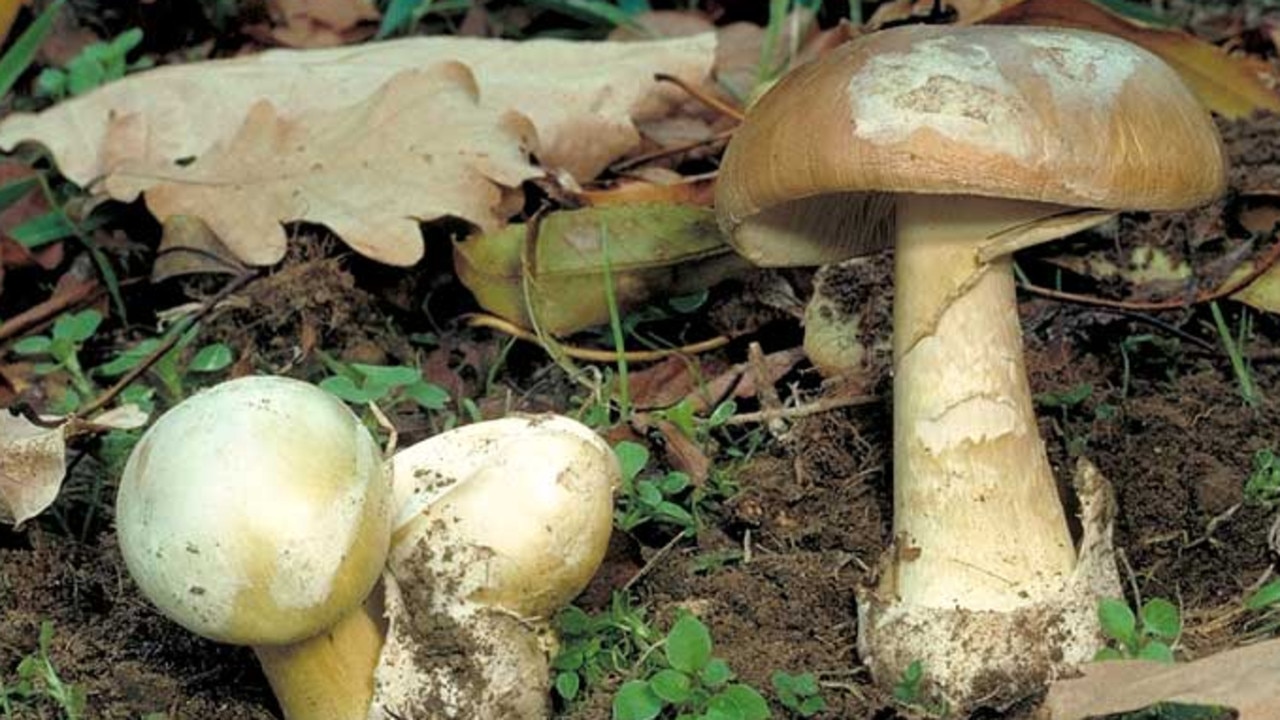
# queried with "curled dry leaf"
point(32, 465)
point(583, 98)
point(1243, 679)
point(421, 148)
point(321, 23)
point(654, 251)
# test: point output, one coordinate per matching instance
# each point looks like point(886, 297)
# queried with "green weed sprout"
point(593, 647)
point(799, 693)
point(694, 685)
point(38, 679)
point(651, 499)
point(172, 371)
point(384, 384)
point(1149, 635)
point(96, 65)
point(61, 348)
point(1263, 486)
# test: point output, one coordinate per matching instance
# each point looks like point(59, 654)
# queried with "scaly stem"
point(977, 519)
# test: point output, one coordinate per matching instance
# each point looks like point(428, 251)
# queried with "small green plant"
point(693, 685)
point(1150, 635)
point(651, 499)
point(799, 693)
point(1264, 604)
point(96, 65)
point(1263, 486)
point(910, 691)
point(593, 647)
point(61, 352)
point(1069, 403)
point(1234, 345)
point(384, 384)
point(38, 681)
point(173, 370)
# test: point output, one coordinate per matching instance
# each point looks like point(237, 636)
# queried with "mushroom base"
point(982, 658)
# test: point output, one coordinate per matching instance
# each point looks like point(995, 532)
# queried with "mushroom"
point(259, 513)
point(500, 524)
point(959, 146)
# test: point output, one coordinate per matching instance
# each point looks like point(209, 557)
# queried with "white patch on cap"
point(946, 85)
point(1079, 68)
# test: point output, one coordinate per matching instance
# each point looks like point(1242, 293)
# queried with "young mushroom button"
point(259, 513)
point(956, 147)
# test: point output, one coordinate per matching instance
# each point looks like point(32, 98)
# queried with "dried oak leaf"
point(321, 23)
point(584, 98)
point(1243, 679)
point(421, 148)
point(32, 465)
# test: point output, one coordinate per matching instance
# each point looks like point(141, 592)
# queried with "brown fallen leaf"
point(1244, 679)
point(321, 23)
point(421, 148)
point(8, 11)
point(1231, 85)
point(583, 97)
point(32, 465)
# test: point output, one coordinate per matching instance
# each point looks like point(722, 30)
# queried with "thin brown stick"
point(667, 152)
point(813, 408)
point(174, 336)
point(50, 308)
point(494, 322)
point(1264, 264)
point(701, 96)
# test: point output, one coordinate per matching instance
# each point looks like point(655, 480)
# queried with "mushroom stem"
point(973, 491)
point(983, 585)
point(328, 676)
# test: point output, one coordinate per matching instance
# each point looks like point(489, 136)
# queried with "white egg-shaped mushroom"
point(259, 513)
point(500, 524)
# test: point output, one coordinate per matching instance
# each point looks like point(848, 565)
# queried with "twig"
point(51, 307)
point(494, 322)
point(813, 408)
point(175, 335)
point(1264, 264)
point(701, 96)
point(629, 163)
point(662, 551)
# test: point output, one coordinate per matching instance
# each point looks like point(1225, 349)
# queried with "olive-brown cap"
point(1052, 115)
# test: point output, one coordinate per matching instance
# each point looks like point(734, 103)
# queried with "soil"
point(774, 570)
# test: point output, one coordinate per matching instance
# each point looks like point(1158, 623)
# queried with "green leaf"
point(400, 16)
point(686, 304)
point(1160, 619)
point(345, 389)
point(1118, 622)
point(740, 702)
point(212, 358)
point(636, 701)
point(568, 684)
point(688, 644)
point(12, 192)
point(716, 673)
point(1157, 651)
point(674, 482)
point(42, 230)
point(633, 458)
point(77, 327)
point(34, 345)
point(23, 51)
point(647, 492)
point(673, 513)
point(811, 705)
point(428, 395)
point(570, 658)
point(722, 413)
point(1107, 653)
point(671, 685)
point(128, 359)
point(573, 621)
point(1264, 597)
point(388, 375)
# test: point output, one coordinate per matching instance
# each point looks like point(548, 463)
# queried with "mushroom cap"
point(257, 512)
point(1050, 115)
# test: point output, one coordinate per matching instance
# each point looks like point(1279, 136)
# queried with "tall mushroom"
point(259, 513)
point(958, 146)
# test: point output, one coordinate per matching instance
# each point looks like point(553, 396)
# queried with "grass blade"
point(23, 52)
